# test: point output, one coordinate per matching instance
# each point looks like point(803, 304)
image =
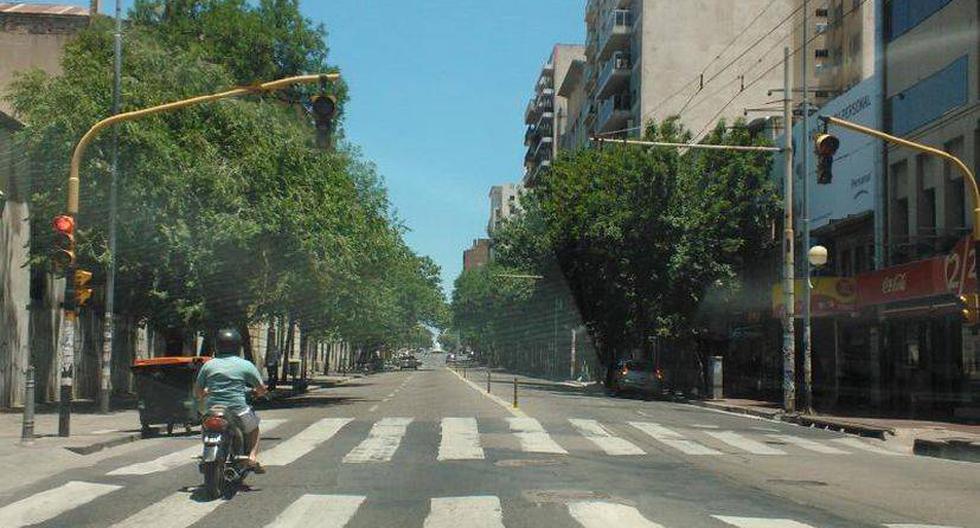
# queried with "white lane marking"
point(857, 443)
point(674, 439)
point(373, 408)
point(509, 406)
point(471, 512)
point(812, 445)
point(176, 511)
point(105, 431)
point(906, 525)
point(324, 511)
point(766, 429)
point(386, 399)
point(746, 444)
point(705, 426)
point(533, 437)
point(598, 435)
point(391, 394)
point(303, 442)
point(51, 503)
point(382, 442)
point(179, 458)
point(460, 440)
point(597, 514)
point(760, 522)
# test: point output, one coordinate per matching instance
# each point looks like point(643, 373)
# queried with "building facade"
point(477, 255)
point(546, 115)
point(505, 202)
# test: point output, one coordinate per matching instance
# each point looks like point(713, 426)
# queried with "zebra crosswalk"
point(339, 510)
point(462, 439)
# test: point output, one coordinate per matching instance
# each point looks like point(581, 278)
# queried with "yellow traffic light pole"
point(970, 301)
point(66, 340)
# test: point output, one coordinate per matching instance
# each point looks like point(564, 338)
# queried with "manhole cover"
point(565, 496)
point(791, 482)
point(528, 462)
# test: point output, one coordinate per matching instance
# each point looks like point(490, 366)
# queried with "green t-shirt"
point(227, 379)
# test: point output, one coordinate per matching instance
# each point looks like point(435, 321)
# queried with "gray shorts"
point(248, 419)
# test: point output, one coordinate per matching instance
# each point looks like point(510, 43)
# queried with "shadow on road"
point(307, 400)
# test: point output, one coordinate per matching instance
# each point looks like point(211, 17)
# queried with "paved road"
point(430, 449)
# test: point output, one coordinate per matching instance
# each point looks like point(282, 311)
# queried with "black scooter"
point(224, 462)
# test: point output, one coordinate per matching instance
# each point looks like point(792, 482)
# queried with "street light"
point(817, 256)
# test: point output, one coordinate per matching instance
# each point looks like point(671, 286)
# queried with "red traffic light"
point(64, 224)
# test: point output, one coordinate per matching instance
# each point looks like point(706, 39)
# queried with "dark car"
point(639, 378)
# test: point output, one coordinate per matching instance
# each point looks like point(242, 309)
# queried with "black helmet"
point(228, 341)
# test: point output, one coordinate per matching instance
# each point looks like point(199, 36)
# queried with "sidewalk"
point(921, 437)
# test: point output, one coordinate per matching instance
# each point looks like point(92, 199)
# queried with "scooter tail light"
point(660, 374)
point(215, 423)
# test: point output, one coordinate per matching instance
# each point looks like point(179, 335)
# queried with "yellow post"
point(515, 392)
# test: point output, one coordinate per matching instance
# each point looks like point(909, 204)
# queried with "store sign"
point(953, 274)
point(829, 295)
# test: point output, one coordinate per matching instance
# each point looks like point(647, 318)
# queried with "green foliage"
point(227, 211)
point(639, 235)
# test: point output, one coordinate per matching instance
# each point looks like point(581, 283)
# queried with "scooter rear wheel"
point(214, 479)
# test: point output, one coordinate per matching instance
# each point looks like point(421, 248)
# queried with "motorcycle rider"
point(225, 379)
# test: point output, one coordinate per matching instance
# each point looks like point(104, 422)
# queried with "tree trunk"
point(246, 341)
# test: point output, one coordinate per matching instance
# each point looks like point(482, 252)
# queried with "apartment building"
point(645, 60)
point(504, 203)
point(477, 255)
point(546, 115)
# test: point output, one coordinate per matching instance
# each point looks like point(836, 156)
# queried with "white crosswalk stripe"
point(674, 439)
point(303, 442)
point(382, 442)
point(533, 437)
point(760, 522)
point(808, 444)
point(460, 440)
point(471, 512)
point(598, 435)
point(746, 444)
point(322, 511)
point(598, 514)
point(51, 503)
point(857, 443)
point(913, 525)
point(179, 510)
point(178, 458)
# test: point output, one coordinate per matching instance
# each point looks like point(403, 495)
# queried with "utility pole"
point(789, 298)
point(805, 143)
point(105, 383)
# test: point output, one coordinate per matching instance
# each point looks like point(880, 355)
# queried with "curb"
point(952, 449)
point(105, 444)
point(774, 415)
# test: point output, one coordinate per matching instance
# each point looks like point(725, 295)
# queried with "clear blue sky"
point(438, 90)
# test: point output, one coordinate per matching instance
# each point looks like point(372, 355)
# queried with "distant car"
point(639, 378)
point(409, 362)
point(451, 357)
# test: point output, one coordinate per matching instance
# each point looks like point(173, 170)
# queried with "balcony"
point(543, 149)
point(615, 74)
point(614, 112)
point(615, 32)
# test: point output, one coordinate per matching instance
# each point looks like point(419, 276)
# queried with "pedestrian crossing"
point(180, 510)
point(462, 439)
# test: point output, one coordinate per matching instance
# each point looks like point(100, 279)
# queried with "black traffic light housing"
point(324, 108)
point(63, 254)
point(826, 146)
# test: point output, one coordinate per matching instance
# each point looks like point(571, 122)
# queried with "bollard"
point(27, 432)
point(515, 392)
point(488, 381)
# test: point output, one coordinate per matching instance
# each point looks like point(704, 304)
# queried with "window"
point(955, 207)
point(903, 15)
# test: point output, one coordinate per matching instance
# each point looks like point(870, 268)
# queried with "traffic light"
point(324, 108)
point(970, 303)
point(82, 294)
point(826, 147)
point(64, 244)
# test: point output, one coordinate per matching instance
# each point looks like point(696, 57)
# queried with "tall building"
point(650, 59)
point(546, 113)
point(504, 203)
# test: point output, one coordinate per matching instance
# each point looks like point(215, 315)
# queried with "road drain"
point(791, 482)
point(567, 496)
point(528, 462)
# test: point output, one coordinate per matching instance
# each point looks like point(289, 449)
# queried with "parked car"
point(409, 362)
point(639, 378)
